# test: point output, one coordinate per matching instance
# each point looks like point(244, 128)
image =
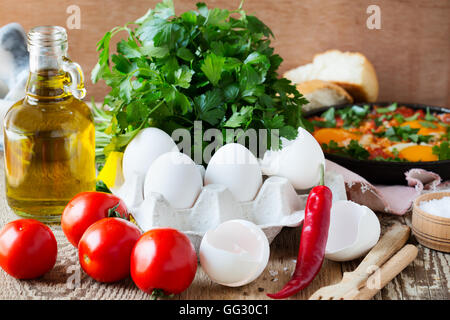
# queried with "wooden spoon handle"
point(394, 239)
point(387, 272)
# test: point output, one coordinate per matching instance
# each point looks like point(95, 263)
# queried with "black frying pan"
point(385, 172)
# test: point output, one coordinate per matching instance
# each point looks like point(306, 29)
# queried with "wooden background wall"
point(411, 52)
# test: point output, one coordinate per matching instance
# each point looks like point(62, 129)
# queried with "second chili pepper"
point(313, 241)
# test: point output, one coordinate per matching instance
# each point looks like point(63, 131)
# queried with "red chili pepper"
point(312, 241)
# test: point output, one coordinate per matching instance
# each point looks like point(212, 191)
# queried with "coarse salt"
point(437, 207)
point(273, 273)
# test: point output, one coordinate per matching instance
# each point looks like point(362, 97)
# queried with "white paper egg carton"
point(276, 205)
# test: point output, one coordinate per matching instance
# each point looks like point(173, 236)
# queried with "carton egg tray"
point(276, 205)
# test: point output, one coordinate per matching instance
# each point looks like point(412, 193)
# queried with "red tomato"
point(28, 249)
point(408, 112)
point(85, 209)
point(163, 259)
point(378, 152)
point(105, 249)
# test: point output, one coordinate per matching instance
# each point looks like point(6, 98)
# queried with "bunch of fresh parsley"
point(212, 65)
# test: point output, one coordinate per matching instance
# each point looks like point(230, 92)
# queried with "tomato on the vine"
point(163, 259)
point(105, 248)
point(28, 249)
point(85, 209)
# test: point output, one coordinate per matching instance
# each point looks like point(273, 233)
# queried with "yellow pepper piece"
point(111, 174)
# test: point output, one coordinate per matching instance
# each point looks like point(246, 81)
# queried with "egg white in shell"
point(354, 230)
point(235, 253)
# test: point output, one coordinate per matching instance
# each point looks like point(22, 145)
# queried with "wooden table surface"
point(428, 277)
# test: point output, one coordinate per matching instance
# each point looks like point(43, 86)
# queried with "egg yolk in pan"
point(325, 135)
point(424, 129)
point(418, 153)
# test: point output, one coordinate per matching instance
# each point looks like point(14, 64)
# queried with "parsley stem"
point(150, 112)
point(141, 126)
point(182, 118)
point(131, 74)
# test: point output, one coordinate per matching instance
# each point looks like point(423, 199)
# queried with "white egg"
point(354, 230)
point(400, 146)
point(235, 167)
point(148, 145)
point(176, 177)
point(299, 161)
point(235, 253)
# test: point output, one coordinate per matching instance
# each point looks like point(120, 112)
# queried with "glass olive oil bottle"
point(49, 136)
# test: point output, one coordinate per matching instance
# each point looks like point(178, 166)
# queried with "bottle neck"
point(47, 78)
point(52, 74)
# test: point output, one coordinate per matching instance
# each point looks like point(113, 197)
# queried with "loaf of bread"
point(322, 94)
point(350, 70)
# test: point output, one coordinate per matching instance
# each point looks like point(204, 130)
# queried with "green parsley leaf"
point(185, 54)
point(329, 117)
point(212, 67)
point(353, 116)
point(388, 109)
point(353, 150)
point(400, 119)
point(405, 133)
point(429, 116)
point(442, 151)
point(288, 132)
point(413, 117)
point(209, 107)
point(183, 76)
point(428, 124)
point(100, 186)
point(240, 118)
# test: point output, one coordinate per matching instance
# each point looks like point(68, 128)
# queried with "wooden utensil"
point(387, 272)
point(351, 282)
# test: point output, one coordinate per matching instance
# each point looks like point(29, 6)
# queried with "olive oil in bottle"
point(49, 136)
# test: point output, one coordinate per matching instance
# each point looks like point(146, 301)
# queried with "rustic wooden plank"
point(413, 278)
point(410, 52)
point(432, 274)
point(420, 281)
point(444, 271)
point(441, 279)
point(393, 290)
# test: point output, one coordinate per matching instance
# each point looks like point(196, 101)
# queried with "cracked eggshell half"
point(235, 167)
point(299, 161)
point(176, 177)
point(354, 230)
point(235, 253)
